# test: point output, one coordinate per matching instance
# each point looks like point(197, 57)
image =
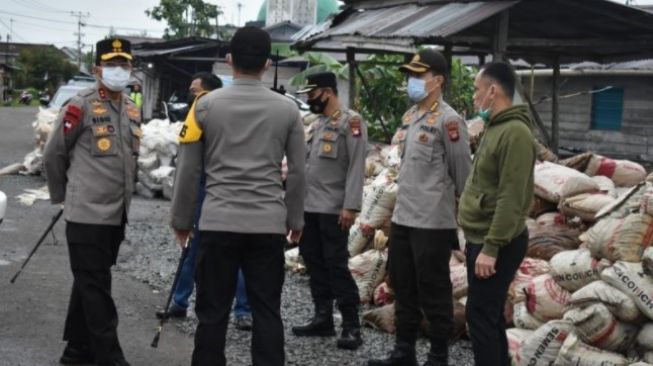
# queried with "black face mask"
point(318, 105)
point(191, 99)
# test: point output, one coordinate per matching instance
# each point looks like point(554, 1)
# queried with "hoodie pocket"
point(471, 207)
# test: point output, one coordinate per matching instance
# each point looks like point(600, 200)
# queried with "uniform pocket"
point(104, 140)
point(423, 146)
point(329, 145)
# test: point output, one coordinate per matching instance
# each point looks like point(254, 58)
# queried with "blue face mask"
point(416, 89)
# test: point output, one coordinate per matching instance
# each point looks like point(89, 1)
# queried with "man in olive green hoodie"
point(493, 209)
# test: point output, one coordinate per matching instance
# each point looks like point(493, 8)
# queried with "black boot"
point(402, 355)
point(77, 354)
point(439, 353)
point(351, 329)
point(320, 326)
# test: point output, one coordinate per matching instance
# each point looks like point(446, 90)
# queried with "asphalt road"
point(32, 311)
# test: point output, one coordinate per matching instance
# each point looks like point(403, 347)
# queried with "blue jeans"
point(186, 283)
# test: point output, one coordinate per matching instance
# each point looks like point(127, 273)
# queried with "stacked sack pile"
point(33, 161)
point(159, 145)
point(584, 294)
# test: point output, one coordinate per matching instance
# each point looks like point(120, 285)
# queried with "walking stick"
point(38, 244)
point(184, 254)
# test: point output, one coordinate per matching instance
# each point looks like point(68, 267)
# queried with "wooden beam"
point(351, 60)
point(577, 43)
point(555, 108)
point(500, 41)
point(449, 58)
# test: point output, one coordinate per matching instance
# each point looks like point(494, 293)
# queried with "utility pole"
point(79, 15)
point(240, 7)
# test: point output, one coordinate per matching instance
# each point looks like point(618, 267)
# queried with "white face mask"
point(115, 78)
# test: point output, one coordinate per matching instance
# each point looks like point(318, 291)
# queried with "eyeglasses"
point(123, 65)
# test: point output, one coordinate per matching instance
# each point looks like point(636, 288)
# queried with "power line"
point(41, 26)
point(88, 25)
point(11, 31)
point(36, 7)
point(79, 33)
point(37, 18)
point(48, 7)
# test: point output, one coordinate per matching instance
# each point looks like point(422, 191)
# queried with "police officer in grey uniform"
point(90, 163)
point(335, 167)
point(435, 163)
point(241, 133)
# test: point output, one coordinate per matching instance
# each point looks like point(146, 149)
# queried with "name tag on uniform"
point(430, 129)
point(101, 119)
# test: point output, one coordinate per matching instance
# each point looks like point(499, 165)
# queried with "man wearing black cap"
point(90, 163)
point(335, 169)
point(242, 134)
point(435, 163)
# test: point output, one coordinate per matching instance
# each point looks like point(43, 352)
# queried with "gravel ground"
point(151, 256)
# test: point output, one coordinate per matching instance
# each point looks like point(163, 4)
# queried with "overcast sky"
point(41, 21)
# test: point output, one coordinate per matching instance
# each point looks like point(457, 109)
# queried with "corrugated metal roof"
point(408, 21)
point(168, 51)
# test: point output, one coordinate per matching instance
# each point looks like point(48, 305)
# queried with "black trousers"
point(324, 249)
point(92, 319)
point(486, 301)
point(419, 272)
point(261, 258)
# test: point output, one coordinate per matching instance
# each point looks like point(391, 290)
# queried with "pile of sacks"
point(156, 165)
point(159, 145)
point(584, 293)
point(33, 161)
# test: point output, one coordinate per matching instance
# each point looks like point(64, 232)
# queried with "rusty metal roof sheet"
point(408, 21)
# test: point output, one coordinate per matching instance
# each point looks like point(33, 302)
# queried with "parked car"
point(63, 94)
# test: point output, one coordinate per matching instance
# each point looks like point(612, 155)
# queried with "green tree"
point(186, 18)
point(461, 89)
point(43, 67)
point(381, 98)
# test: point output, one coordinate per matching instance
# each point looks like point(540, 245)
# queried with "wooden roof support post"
point(555, 112)
point(351, 60)
point(500, 40)
point(448, 56)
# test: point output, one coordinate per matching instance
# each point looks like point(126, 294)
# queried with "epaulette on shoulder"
point(86, 92)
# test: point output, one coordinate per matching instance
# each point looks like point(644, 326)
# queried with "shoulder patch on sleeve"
point(453, 130)
point(355, 126)
point(71, 118)
point(191, 131)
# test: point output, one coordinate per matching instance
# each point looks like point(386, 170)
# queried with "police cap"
point(319, 80)
point(109, 48)
point(426, 60)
